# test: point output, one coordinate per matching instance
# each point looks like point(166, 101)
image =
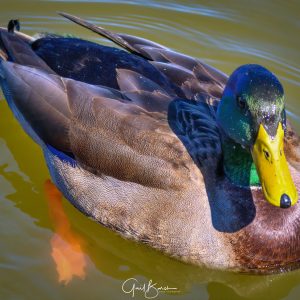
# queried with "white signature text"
point(150, 289)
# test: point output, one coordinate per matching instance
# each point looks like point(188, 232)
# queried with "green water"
point(225, 34)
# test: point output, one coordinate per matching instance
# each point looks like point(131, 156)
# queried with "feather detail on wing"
point(128, 42)
point(41, 99)
point(118, 138)
point(191, 75)
point(195, 124)
point(107, 132)
point(143, 91)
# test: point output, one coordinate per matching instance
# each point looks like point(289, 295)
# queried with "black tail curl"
point(12, 25)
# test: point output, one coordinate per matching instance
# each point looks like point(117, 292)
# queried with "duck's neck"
point(238, 164)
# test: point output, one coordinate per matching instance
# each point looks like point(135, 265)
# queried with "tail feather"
point(12, 25)
point(24, 37)
point(16, 47)
point(119, 39)
point(39, 102)
point(4, 52)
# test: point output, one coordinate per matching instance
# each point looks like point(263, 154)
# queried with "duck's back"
point(93, 63)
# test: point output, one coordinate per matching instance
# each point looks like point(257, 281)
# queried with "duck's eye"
point(241, 102)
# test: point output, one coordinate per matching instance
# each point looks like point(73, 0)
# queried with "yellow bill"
point(272, 168)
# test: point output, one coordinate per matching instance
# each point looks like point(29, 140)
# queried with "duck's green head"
point(252, 114)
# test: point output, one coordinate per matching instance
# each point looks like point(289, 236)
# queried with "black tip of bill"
point(285, 201)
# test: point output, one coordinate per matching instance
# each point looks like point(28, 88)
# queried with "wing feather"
point(189, 74)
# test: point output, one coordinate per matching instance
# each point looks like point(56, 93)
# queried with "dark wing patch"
point(190, 75)
point(95, 64)
point(194, 123)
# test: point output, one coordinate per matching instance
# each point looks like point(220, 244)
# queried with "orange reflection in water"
point(67, 247)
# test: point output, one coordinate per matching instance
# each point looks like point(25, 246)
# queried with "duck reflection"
point(67, 247)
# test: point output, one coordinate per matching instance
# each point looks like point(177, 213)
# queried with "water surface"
point(225, 34)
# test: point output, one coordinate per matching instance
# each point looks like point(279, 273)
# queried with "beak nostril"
point(285, 201)
point(267, 154)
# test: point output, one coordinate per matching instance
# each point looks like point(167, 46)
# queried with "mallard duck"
point(161, 147)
